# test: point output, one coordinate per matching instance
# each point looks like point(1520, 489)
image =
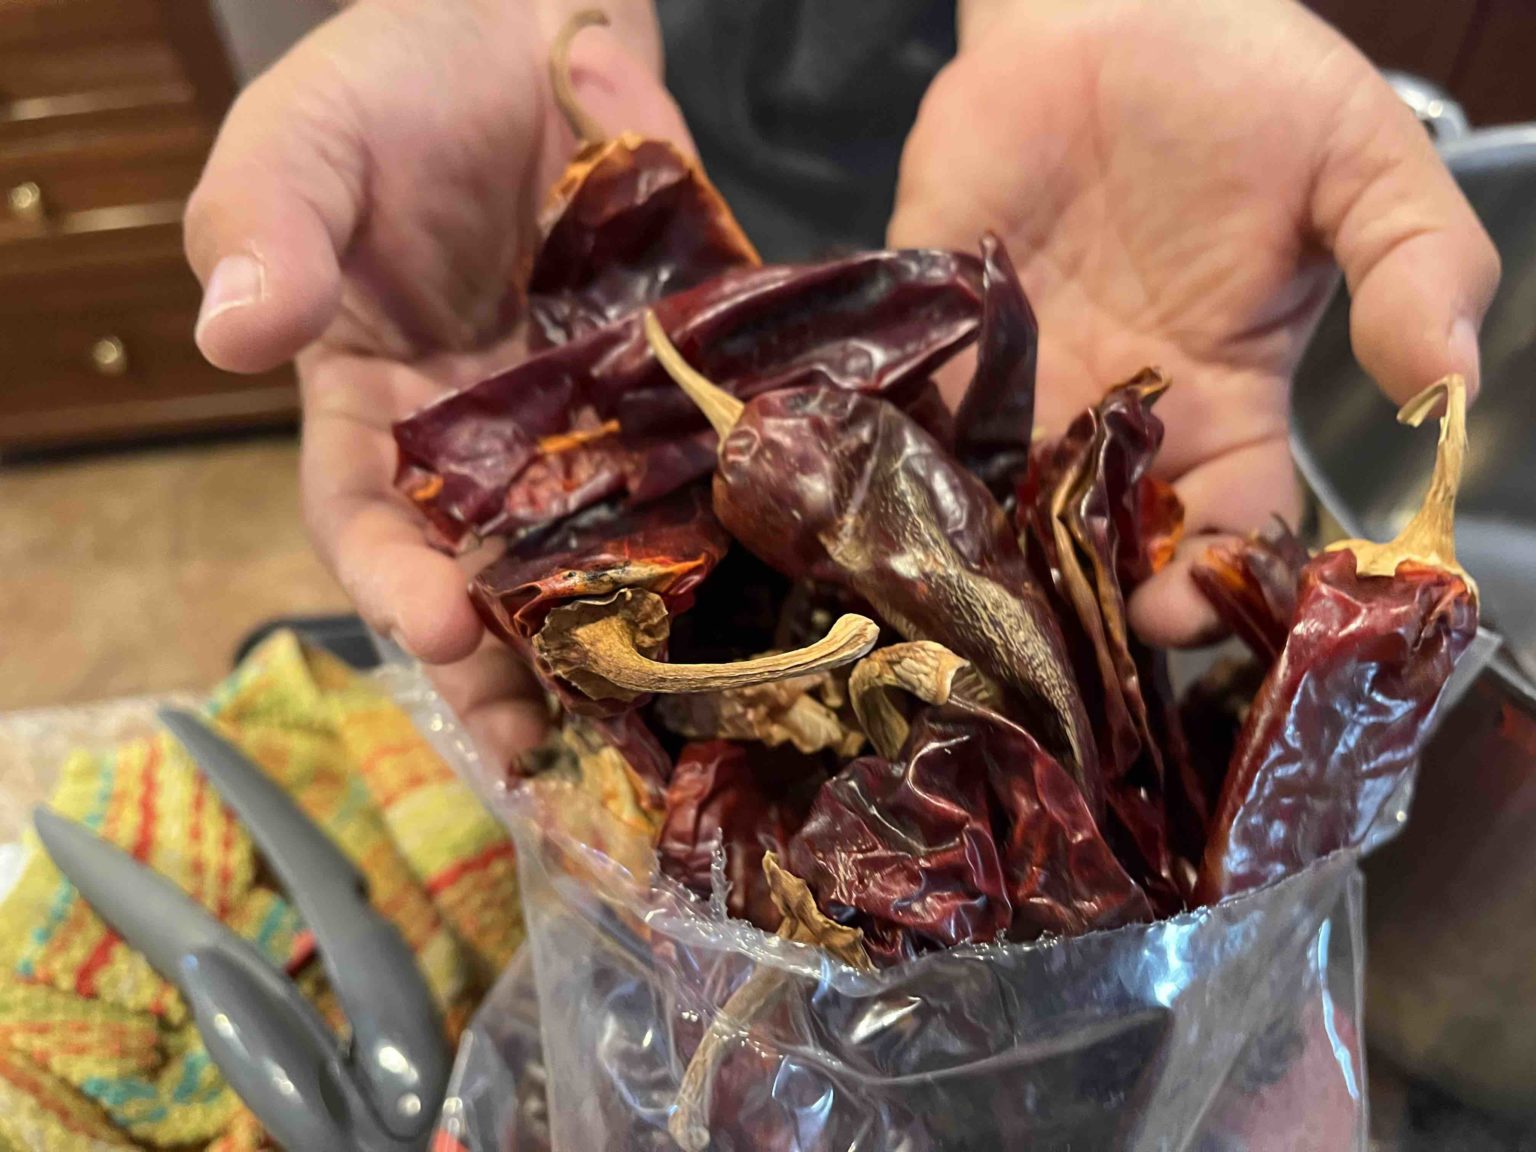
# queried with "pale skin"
point(1176, 180)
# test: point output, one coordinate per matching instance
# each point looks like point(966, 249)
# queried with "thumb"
point(1420, 268)
point(275, 207)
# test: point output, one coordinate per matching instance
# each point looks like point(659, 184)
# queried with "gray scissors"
point(380, 1093)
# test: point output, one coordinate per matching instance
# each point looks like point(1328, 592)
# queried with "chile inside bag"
point(650, 1013)
point(1232, 1027)
point(867, 822)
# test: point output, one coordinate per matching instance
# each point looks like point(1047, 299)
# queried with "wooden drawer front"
point(85, 115)
point(84, 250)
point(51, 179)
point(52, 360)
point(85, 66)
point(39, 23)
point(110, 372)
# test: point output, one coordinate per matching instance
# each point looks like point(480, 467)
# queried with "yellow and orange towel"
point(96, 1051)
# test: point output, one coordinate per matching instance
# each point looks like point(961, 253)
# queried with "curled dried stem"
point(607, 647)
point(582, 122)
point(803, 923)
point(922, 669)
point(1429, 538)
point(720, 408)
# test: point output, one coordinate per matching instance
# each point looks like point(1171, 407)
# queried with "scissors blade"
point(399, 1051)
point(265, 1038)
point(154, 916)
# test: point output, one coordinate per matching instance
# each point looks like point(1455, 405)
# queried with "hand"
point(1175, 180)
point(365, 208)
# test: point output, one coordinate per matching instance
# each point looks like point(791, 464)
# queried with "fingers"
point(276, 205)
point(498, 701)
point(1168, 611)
point(363, 530)
point(399, 586)
point(1421, 270)
point(1231, 494)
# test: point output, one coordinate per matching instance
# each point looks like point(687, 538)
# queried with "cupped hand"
point(1178, 182)
point(365, 208)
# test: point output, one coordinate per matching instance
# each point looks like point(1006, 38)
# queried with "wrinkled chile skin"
point(637, 220)
point(1339, 720)
point(747, 799)
point(835, 486)
point(878, 322)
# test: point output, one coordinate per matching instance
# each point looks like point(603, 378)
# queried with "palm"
point(1151, 175)
point(424, 138)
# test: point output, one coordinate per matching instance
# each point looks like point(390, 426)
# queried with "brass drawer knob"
point(26, 202)
point(109, 356)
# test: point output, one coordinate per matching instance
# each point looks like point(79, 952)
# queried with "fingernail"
point(237, 281)
point(1464, 354)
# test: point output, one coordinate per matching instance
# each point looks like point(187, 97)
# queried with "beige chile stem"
point(1430, 537)
point(720, 408)
point(804, 924)
point(611, 653)
point(603, 647)
point(582, 122)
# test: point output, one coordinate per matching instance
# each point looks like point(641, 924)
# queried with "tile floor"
point(141, 571)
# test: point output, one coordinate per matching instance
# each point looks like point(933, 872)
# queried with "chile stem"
point(1429, 538)
point(582, 122)
point(720, 408)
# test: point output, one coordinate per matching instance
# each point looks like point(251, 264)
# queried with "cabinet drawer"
point(49, 179)
point(85, 250)
point(28, 72)
point(37, 23)
point(122, 371)
point(92, 114)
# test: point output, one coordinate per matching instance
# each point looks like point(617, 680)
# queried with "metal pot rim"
point(1508, 145)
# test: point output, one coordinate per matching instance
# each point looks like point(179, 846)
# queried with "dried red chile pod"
point(476, 462)
point(974, 833)
point(668, 548)
point(746, 799)
point(632, 738)
point(905, 853)
point(631, 220)
point(844, 488)
point(1063, 878)
point(996, 417)
point(1345, 709)
point(1252, 586)
point(1096, 525)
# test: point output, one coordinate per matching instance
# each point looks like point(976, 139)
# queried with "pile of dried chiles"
point(872, 652)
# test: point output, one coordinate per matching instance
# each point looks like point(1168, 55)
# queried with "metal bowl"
point(1452, 901)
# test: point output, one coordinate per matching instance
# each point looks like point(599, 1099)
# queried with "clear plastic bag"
point(1235, 1027)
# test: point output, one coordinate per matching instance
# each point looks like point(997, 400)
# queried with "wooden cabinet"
point(1478, 50)
point(107, 111)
